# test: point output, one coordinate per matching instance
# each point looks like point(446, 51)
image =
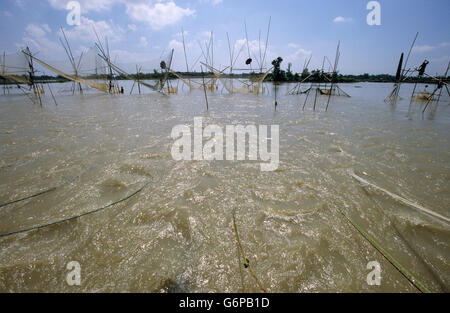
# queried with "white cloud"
point(424, 48)
point(132, 27)
point(143, 42)
point(46, 28)
point(429, 48)
point(175, 44)
point(6, 13)
point(35, 31)
point(298, 56)
point(213, 2)
point(120, 54)
point(20, 3)
point(254, 45)
point(36, 37)
point(85, 31)
point(159, 15)
point(127, 60)
point(205, 34)
point(179, 34)
point(341, 19)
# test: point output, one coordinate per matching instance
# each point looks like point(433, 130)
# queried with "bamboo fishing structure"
point(76, 77)
point(99, 86)
point(137, 80)
point(327, 84)
point(401, 75)
point(255, 85)
point(208, 55)
point(17, 72)
point(113, 88)
point(38, 89)
point(75, 65)
point(298, 87)
point(169, 89)
point(439, 86)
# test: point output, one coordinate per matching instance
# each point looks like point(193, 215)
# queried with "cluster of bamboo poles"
point(110, 86)
point(207, 54)
point(327, 87)
point(403, 74)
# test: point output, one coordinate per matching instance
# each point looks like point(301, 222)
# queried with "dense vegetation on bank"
point(277, 75)
point(380, 78)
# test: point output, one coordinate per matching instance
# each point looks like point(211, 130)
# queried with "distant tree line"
point(277, 75)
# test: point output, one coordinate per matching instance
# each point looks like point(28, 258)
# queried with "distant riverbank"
point(315, 78)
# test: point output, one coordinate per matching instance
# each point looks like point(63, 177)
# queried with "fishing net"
point(254, 85)
point(158, 68)
point(158, 65)
point(14, 67)
point(102, 86)
point(89, 69)
point(92, 65)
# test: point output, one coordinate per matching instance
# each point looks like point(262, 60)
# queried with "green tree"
point(277, 73)
point(305, 73)
point(289, 74)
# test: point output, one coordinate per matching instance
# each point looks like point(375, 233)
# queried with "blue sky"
point(139, 30)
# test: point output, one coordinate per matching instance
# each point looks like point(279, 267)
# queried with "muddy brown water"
point(177, 234)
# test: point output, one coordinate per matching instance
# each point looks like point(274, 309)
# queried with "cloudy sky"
point(142, 30)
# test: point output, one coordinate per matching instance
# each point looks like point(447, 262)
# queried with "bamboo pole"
point(267, 40)
point(260, 53)
point(248, 45)
point(409, 53)
point(204, 89)
point(430, 99)
point(276, 103)
point(138, 82)
point(306, 99)
point(4, 71)
point(315, 98)
point(31, 73)
point(403, 72)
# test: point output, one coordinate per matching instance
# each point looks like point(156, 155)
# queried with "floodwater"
point(177, 234)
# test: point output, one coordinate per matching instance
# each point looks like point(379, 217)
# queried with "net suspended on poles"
point(92, 66)
point(91, 71)
point(14, 67)
point(124, 73)
point(163, 65)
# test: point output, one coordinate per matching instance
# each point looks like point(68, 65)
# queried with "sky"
point(139, 31)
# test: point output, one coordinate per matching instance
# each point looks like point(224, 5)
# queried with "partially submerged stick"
point(410, 277)
point(246, 261)
point(51, 92)
point(403, 200)
point(204, 89)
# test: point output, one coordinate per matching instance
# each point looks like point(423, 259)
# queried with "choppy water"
point(177, 234)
